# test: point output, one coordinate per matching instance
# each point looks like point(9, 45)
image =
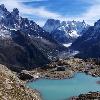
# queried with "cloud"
point(90, 15)
point(30, 0)
point(40, 11)
point(93, 13)
point(26, 10)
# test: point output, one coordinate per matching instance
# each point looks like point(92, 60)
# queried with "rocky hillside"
point(20, 53)
point(89, 43)
point(65, 32)
point(23, 43)
point(11, 88)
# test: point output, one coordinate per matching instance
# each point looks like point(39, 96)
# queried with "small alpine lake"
point(66, 88)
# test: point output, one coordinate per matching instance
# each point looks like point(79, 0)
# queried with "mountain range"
point(65, 31)
point(23, 43)
point(89, 43)
point(26, 45)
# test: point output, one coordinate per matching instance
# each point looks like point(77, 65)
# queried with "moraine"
point(66, 88)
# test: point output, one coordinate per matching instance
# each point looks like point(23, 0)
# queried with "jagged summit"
point(51, 25)
point(65, 31)
point(2, 7)
point(16, 11)
point(89, 43)
point(23, 43)
point(13, 21)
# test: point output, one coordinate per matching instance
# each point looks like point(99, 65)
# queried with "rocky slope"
point(20, 53)
point(11, 88)
point(65, 32)
point(23, 43)
point(88, 96)
point(65, 69)
point(89, 43)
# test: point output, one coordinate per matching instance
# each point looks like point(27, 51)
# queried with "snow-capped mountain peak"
point(65, 31)
point(23, 42)
point(13, 21)
point(51, 25)
point(89, 43)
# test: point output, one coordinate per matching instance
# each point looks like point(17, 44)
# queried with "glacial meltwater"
point(66, 88)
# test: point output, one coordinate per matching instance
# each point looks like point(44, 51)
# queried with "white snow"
point(4, 34)
point(13, 29)
point(36, 76)
point(29, 35)
point(72, 29)
point(2, 16)
point(74, 53)
point(38, 37)
point(67, 45)
point(26, 25)
point(74, 34)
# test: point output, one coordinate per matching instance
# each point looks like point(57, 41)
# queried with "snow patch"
point(67, 45)
point(13, 29)
point(74, 34)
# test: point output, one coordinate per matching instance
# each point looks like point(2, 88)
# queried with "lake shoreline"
point(52, 73)
point(89, 96)
point(61, 78)
point(64, 80)
point(64, 69)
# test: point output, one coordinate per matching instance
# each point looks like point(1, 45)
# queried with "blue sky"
point(64, 7)
point(41, 10)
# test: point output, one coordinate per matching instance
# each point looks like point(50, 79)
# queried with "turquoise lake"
point(63, 89)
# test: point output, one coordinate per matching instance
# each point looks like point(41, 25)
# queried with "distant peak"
point(83, 21)
point(63, 23)
point(16, 11)
point(2, 7)
point(53, 20)
point(97, 23)
point(73, 21)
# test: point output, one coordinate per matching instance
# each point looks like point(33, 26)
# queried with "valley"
point(57, 61)
point(62, 78)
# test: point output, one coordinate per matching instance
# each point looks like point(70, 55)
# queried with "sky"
point(64, 10)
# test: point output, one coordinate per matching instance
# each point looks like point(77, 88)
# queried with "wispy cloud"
point(30, 0)
point(90, 15)
point(26, 10)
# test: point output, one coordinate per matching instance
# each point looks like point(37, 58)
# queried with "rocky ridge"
point(89, 43)
point(23, 43)
point(65, 31)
